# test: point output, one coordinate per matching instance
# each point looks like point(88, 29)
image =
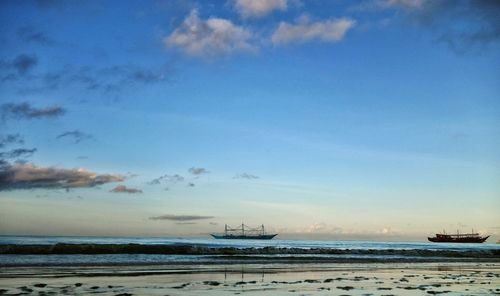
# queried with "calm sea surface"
point(206, 242)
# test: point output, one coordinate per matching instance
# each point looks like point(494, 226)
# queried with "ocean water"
point(13, 260)
point(215, 243)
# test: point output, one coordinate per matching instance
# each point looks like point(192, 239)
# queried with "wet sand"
point(256, 279)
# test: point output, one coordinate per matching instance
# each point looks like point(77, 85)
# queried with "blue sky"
point(326, 119)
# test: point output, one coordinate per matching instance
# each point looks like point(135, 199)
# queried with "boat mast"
point(243, 228)
point(225, 229)
point(263, 232)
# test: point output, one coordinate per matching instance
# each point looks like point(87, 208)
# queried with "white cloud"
point(209, 38)
point(258, 8)
point(304, 30)
point(319, 228)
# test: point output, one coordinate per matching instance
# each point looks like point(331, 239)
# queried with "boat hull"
point(474, 240)
point(263, 236)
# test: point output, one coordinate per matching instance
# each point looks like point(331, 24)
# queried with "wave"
point(92, 249)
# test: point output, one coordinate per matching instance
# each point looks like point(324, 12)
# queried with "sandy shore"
point(253, 279)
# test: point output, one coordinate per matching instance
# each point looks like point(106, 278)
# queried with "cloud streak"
point(76, 135)
point(198, 171)
point(108, 79)
point(125, 189)
point(258, 8)
point(246, 176)
point(28, 176)
point(209, 38)
point(171, 179)
point(460, 24)
point(27, 111)
point(17, 153)
point(304, 30)
point(181, 218)
point(21, 64)
point(11, 139)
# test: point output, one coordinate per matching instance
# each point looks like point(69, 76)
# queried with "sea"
point(47, 260)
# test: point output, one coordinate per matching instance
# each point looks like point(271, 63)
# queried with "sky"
point(370, 119)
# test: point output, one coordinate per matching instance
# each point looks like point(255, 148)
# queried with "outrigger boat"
point(243, 232)
point(458, 238)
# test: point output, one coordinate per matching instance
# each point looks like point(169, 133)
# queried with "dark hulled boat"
point(243, 233)
point(458, 238)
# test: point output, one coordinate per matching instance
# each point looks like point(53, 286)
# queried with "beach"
point(256, 279)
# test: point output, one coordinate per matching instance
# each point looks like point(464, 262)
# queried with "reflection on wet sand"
point(345, 279)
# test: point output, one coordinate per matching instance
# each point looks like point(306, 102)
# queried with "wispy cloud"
point(114, 77)
point(198, 171)
point(11, 139)
point(181, 217)
point(407, 4)
point(304, 30)
point(21, 64)
point(258, 8)
point(209, 38)
point(76, 135)
point(29, 176)
point(107, 79)
point(169, 179)
point(27, 111)
point(125, 189)
point(31, 35)
point(17, 153)
point(246, 176)
point(462, 24)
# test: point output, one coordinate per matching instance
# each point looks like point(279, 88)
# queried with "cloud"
point(29, 176)
point(76, 135)
point(321, 228)
point(3, 165)
point(387, 231)
point(246, 176)
point(461, 24)
point(21, 65)
point(172, 179)
point(258, 8)
point(24, 63)
point(16, 153)
point(198, 171)
point(31, 35)
point(26, 111)
point(147, 75)
point(304, 30)
point(181, 217)
point(113, 77)
point(125, 189)
point(190, 184)
point(109, 79)
point(209, 38)
point(11, 139)
point(407, 4)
